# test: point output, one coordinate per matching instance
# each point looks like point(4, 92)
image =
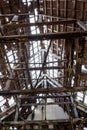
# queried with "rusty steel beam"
point(8, 112)
point(36, 37)
point(40, 68)
point(44, 122)
point(18, 25)
point(43, 90)
point(50, 103)
point(10, 15)
point(48, 96)
point(37, 62)
point(37, 129)
point(38, 122)
point(8, 78)
point(81, 106)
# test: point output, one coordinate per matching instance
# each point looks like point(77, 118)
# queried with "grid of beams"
point(43, 54)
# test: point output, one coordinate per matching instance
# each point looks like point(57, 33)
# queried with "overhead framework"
point(43, 64)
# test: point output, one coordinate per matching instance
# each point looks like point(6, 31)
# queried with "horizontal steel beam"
point(14, 78)
point(36, 37)
point(18, 25)
point(44, 91)
point(44, 97)
point(39, 68)
point(38, 122)
point(49, 103)
point(37, 129)
point(11, 15)
point(44, 122)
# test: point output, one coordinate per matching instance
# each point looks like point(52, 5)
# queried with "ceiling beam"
point(16, 25)
point(45, 122)
point(50, 103)
point(48, 96)
point(36, 37)
point(44, 91)
point(40, 68)
point(7, 113)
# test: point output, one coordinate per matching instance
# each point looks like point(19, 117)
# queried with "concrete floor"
point(50, 112)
